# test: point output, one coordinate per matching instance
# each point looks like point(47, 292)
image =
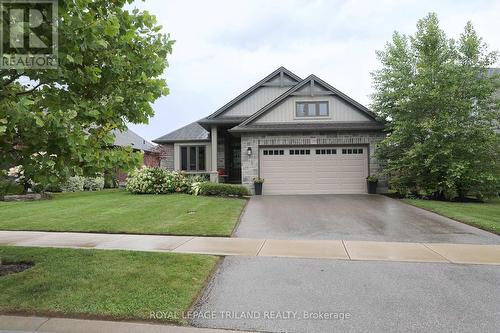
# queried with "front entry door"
point(234, 165)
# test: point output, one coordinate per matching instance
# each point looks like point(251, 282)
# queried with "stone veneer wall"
point(250, 165)
point(167, 156)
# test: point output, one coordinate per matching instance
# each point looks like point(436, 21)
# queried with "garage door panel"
point(341, 169)
point(286, 164)
point(352, 169)
point(280, 164)
point(327, 178)
point(314, 173)
point(285, 182)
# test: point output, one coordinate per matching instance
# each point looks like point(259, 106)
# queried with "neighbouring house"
point(303, 136)
point(129, 138)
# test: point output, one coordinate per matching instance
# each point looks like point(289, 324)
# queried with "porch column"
point(214, 176)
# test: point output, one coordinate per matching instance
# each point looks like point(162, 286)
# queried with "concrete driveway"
point(352, 217)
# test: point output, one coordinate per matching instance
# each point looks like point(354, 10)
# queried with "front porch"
point(226, 167)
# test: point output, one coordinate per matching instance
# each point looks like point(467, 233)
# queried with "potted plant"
point(257, 183)
point(371, 182)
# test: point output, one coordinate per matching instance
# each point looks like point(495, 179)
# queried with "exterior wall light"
point(249, 151)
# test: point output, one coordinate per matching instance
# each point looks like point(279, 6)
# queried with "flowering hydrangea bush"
point(16, 172)
point(93, 183)
point(12, 181)
point(160, 181)
point(196, 188)
point(73, 184)
point(148, 181)
point(41, 165)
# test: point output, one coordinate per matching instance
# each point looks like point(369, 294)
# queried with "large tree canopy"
point(110, 65)
point(440, 103)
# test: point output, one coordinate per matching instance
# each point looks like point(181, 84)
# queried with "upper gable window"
point(312, 109)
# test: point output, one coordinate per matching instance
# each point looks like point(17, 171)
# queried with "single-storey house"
point(303, 136)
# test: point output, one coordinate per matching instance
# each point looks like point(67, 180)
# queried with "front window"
point(311, 109)
point(193, 158)
point(301, 110)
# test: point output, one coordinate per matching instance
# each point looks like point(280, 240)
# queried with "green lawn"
point(117, 211)
point(103, 284)
point(482, 215)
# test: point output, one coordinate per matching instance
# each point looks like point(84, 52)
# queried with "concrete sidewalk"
point(317, 249)
point(20, 324)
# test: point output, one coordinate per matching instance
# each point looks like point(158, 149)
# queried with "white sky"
point(224, 47)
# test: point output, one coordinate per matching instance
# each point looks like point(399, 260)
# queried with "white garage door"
point(314, 170)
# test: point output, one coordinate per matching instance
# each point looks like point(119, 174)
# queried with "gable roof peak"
point(313, 77)
point(278, 71)
point(308, 80)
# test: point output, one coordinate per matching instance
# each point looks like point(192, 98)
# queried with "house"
point(129, 138)
point(303, 136)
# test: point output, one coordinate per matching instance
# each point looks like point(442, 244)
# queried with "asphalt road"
point(284, 294)
point(352, 217)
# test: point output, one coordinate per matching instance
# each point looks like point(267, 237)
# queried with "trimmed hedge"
point(225, 190)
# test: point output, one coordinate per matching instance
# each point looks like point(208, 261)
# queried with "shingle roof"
point(130, 138)
point(191, 132)
point(198, 131)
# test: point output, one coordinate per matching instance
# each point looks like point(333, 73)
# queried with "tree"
point(59, 122)
point(442, 110)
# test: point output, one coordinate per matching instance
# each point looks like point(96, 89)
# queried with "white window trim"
point(197, 159)
point(177, 156)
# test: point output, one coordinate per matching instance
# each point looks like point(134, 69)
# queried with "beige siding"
point(339, 111)
point(255, 101)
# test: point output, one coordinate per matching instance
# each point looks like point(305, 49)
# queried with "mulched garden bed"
point(6, 269)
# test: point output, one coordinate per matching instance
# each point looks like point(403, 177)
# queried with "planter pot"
point(372, 187)
point(258, 188)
